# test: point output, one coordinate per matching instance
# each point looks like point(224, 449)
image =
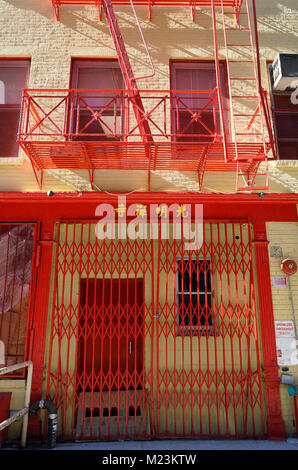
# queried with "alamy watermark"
point(153, 221)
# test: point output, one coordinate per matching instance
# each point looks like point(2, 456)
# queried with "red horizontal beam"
point(152, 3)
point(82, 198)
point(140, 156)
point(28, 207)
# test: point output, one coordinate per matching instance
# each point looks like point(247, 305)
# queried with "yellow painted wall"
point(285, 236)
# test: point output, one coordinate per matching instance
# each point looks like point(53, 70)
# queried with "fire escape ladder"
point(128, 75)
point(248, 148)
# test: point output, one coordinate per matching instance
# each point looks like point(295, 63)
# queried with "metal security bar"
point(208, 370)
point(100, 368)
point(151, 339)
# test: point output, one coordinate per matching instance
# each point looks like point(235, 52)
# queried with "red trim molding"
point(39, 206)
point(275, 424)
point(44, 268)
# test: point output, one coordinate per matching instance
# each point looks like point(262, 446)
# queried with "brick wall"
point(28, 29)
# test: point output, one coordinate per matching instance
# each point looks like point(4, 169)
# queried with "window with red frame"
point(196, 116)
point(285, 121)
point(96, 115)
point(194, 295)
point(14, 75)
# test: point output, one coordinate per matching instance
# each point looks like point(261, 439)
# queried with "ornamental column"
point(275, 424)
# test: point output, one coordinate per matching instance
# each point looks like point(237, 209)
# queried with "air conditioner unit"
point(285, 72)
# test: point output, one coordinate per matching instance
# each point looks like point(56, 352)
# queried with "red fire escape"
point(142, 130)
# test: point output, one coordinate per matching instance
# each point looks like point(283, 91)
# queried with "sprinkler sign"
point(285, 343)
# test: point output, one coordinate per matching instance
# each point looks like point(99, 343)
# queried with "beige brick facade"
point(28, 30)
point(285, 236)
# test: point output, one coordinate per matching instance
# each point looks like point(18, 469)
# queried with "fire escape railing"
point(102, 115)
point(149, 4)
point(98, 129)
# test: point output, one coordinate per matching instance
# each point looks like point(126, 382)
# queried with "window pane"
point(190, 130)
point(205, 277)
point(288, 150)
point(194, 308)
point(99, 112)
point(9, 122)
point(194, 276)
point(205, 309)
point(188, 309)
point(12, 81)
point(187, 107)
point(13, 78)
point(287, 125)
point(99, 78)
point(285, 115)
point(101, 129)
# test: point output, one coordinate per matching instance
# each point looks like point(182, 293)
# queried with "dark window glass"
point(196, 116)
point(285, 117)
point(97, 115)
point(194, 293)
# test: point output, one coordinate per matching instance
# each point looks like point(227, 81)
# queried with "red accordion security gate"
point(150, 339)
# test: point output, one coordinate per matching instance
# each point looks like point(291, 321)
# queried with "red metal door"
point(113, 360)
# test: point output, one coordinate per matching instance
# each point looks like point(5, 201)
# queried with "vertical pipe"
point(259, 79)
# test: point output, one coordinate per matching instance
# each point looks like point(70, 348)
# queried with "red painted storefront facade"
point(45, 211)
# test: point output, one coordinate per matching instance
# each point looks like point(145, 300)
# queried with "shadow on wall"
point(43, 7)
point(281, 19)
point(274, 17)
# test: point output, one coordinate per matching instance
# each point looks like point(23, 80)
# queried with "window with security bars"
point(194, 295)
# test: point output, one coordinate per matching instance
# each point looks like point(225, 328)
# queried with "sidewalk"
point(169, 445)
point(172, 445)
